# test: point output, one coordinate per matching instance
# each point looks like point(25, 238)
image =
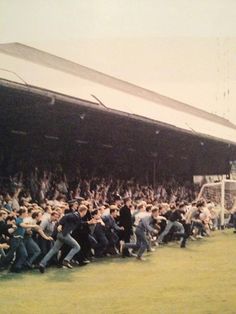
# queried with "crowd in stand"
point(45, 219)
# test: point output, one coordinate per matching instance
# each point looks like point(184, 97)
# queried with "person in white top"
point(140, 212)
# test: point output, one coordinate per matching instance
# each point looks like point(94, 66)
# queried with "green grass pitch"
point(198, 279)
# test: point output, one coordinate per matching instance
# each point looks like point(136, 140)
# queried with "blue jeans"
point(141, 242)
point(33, 250)
point(68, 240)
point(45, 245)
point(102, 244)
point(169, 225)
point(16, 246)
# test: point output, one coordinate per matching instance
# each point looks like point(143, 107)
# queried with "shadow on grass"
point(8, 276)
point(66, 275)
point(60, 275)
point(51, 274)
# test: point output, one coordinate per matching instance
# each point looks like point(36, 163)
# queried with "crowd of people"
point(53, 184)
point(46, 220)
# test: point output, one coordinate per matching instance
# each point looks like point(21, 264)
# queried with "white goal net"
point(223, 195)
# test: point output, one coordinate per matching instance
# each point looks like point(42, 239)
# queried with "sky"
point(184, 49)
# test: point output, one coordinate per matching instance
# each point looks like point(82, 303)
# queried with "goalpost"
point(223, 195)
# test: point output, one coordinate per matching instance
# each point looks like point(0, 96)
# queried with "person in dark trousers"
point(17, 244)
point(112, 229)
point(145, 226)
point(175, 220)
point(67, 225)
point(197, 223)
point(48, 226)
point(98, 232)
point(126, 222)
point(81, 235)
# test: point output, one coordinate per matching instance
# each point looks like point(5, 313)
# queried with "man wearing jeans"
point(48, 226)
point(17, 244)
point(145, 226)
point(67, 225)
point(174, 221)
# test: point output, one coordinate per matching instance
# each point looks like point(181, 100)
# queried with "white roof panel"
point(112, 92)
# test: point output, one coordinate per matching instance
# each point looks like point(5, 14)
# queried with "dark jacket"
point(110, 223)
point(175, 216)
point(4, 228)
point(69, 222)
point(126, 219)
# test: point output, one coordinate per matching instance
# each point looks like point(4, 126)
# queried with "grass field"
point(198, 279)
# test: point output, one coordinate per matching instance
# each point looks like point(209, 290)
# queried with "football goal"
point(223, 195)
